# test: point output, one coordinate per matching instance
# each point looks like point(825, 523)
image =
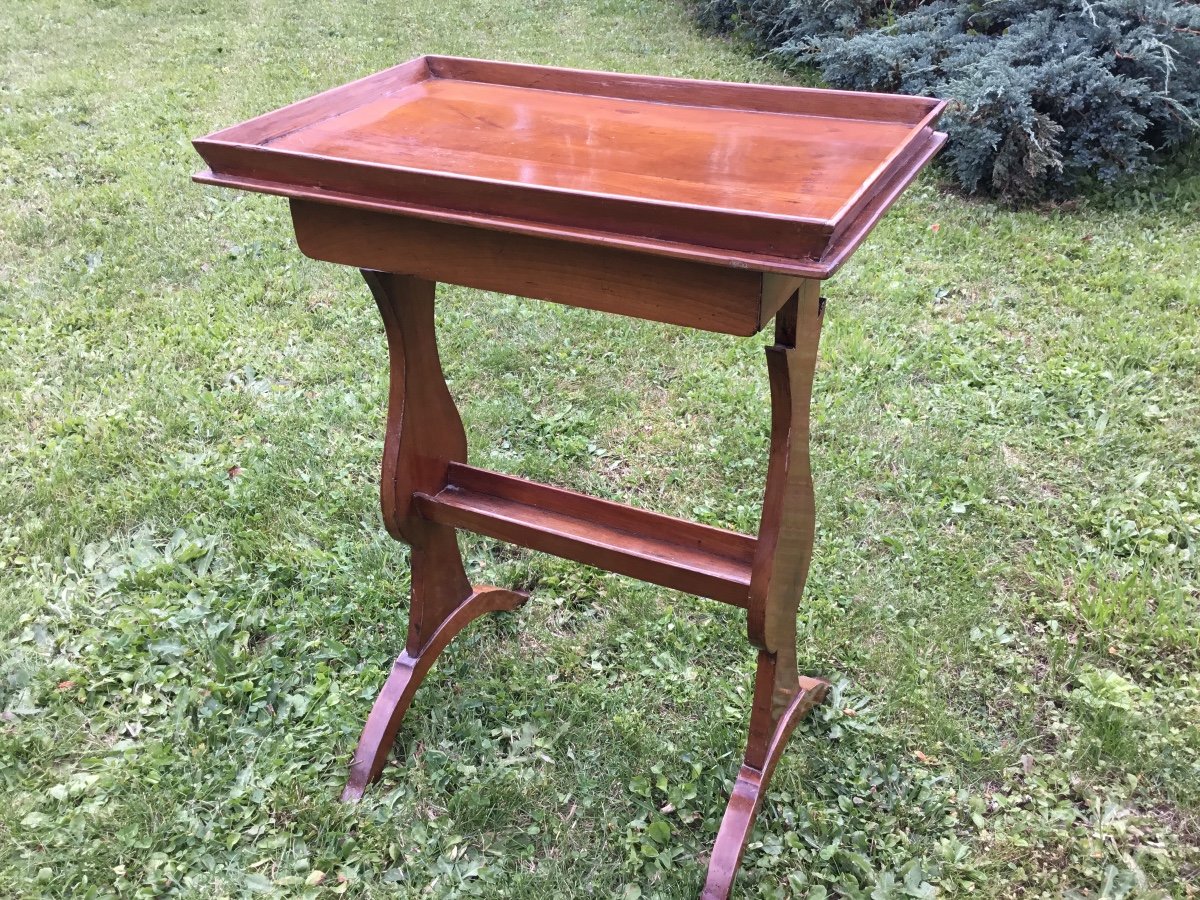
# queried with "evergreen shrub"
point(1047, 95)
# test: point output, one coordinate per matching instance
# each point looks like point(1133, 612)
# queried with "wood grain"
point(719, 158)
point(424, 434)
point(785, 536)
point(731, 301)
point(686, 556)
point(749, 790)
point(681, 167)
point(765, 98)
point(313, 109)
point(408, 671)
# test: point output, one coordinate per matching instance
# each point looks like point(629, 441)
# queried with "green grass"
point(1006, 587)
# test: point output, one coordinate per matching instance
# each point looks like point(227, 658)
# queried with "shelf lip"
point(670, 552)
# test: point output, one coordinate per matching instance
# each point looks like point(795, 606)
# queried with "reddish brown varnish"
point(777, 179)
point(709, 205)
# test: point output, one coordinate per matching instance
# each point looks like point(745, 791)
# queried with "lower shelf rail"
point(674, 553)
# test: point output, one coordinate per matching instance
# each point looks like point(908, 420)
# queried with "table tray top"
point(777, 179)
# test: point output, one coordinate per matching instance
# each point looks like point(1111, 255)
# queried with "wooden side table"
point(710, 205)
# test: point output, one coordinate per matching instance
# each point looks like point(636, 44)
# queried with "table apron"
point(627, 282)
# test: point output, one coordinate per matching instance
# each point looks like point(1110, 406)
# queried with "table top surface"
point(782, 179)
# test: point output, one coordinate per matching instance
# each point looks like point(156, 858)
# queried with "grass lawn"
point(198, 601)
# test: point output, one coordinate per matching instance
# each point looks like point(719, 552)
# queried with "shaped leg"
point(782, 557)
point(424, 434)
point(747, 795)
point(407, 674)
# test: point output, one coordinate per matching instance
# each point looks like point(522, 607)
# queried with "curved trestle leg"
point(748, 791)
point(780, 569)
point(407, 674)
point(424, 434)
